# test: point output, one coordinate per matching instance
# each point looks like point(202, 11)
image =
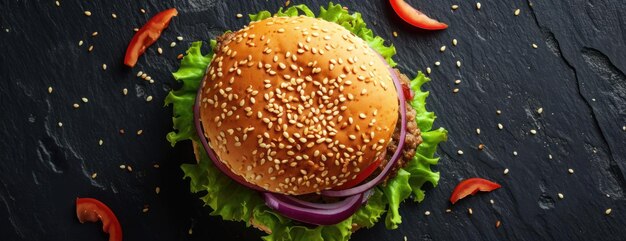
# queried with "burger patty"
point(412, 140)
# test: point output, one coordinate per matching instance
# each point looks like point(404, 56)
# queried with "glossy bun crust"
point(297, 105)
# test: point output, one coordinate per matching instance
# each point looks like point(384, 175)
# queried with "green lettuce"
point(234, 202)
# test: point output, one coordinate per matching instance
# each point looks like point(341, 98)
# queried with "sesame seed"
point(157, 190)
point(49, 89)
point(90, 48)
point(428, 70)
point(498, 112)
point(454, 7)
point(104, 66)
point(139, 132)
point(427, 213)
point(443, 48)
point(160, 50)
point(457, 81)
point(506, 171)
point(140, 73)
point(57, 3)
point(455, 90)
point(454, 42)
point(491, 201)
point(469, 210)
point(60, 124)
point(458, 64)
point(135, 29)
point(84, 99)
point(94, 175)
point(362, 116)
point(477, 131)
point(448, 210)
point(125, 91)
point(561, 196)
point(540, 110)
point(142, 10)
point(481, 146)
point(145, 209)
point(113, 15)
point(571, 171)
point(129, 168)
point(149, 98)
point(534, 46)
point(437, 63)
point(239, 15)
point(498, 223)
point(500, 126)
point(87, 13)
point(172, 44)
point(94, 34)
point(608, 211)
point(395, 34)
point(478, 5)
point(517, 11)
point(100, 142)
point(80, 43)
point(75, 105)
point(550, 156)
point(122, 166)
point(179, 38)
point(533, 131)
point(514, 153)
point(460, 152)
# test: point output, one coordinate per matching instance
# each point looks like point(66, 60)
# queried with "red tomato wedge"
point(147, 35)
point(92, 210)
point(361, 177)
point(414, 17)
point(472, 186)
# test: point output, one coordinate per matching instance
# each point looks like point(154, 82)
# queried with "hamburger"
point(302, 127)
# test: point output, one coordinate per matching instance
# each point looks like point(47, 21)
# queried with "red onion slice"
point(314, 216)
point(207, 148)
point(396, 155)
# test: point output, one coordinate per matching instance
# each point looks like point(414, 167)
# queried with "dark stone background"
point(576, 75)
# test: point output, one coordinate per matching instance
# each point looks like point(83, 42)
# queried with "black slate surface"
point(576, 74)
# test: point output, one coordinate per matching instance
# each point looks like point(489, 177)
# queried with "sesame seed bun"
point(297, 105)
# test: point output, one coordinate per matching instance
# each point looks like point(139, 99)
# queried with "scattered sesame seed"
point(481, 146)
point(157, 190)
point(506, 171)
point(427, 213)
point(571, 171)
point(437, 63)
point(75, 105)
point(57, 3)
point(498, 112)
point(535, 46)
point(190, 231)
point(624, 128)
point(550, 156)
point(405, 238)
point(160, 50)
point(172, 44)
point(560, 195)
point(136, 29)
point(500, 126)
point(80, 43)
point(145, 209)
point(443, 48)
point(84, 99)
point(90, 48)
point(149, 98)
point(458, 64)
point(129, 168)
point(514, 153)
point(156, 166)
point(60, 124)
point(517, 11)
point(104, 66)
point(460, 152)
point(428, 70)
point(454, 7)
point(395, 34)
point(122, 166)
point(455, 90)
point(477, 131)
point(608, 211)
point(94, 34)
point(49, 89)
point(469, 210)
point(457, 81)
point(239, 15)
point(139, 132)
point(491, 201)
point(454, 42)
point(533, 131)
point(142, 10)
point(87, 13)
point(94, 175)
point(540, 110)
point(448, 210)
point(113, 15)
point(498, 223)
point(478, 5)
point(100, 142)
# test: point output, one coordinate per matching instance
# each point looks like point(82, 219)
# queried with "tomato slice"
point(92, 210)
point(406, 90)
point(147, 35)
point(361, 176)
point(472, 186)
point(414, 17)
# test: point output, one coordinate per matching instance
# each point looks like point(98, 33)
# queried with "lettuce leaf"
point(234, 202)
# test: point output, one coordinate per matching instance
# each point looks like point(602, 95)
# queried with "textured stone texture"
point(576, 75)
